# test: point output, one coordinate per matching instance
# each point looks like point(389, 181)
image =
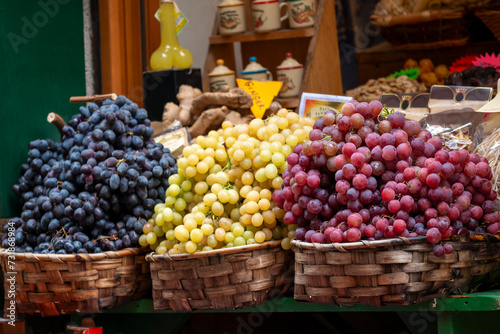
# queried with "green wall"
point(41, 66)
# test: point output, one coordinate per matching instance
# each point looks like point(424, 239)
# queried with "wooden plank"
point(133, 50)
point(338, 258)
point(216, 270)
point(418, 267)
point(390, 257)
point(151, 29)
point(270, 36)
point(342, 281)
point(382, 59)
point(363, 269)
point(393, 278)
point(325, 270)
point(248, 15)
point(113, 67)
point(369, 291)
point(121, 48)
point(322, 70)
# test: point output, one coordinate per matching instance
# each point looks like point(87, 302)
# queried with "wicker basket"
point(425, 30)
point(221, 279)
point(52, 284)
point(393, 271)
point(491, 18)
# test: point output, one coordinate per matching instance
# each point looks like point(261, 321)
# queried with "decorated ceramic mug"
point(255, 71)
point(301, 13)
point(231, 17)
point(221, 78)
point(290, 73)
point(267, 15)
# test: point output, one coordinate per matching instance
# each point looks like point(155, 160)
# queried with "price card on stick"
point(262, 93)
point(315, 105)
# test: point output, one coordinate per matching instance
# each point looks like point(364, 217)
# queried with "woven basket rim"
point(152, 257)
point(76, 257)
point(365, 244)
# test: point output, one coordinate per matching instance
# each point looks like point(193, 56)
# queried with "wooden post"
point(323, 55)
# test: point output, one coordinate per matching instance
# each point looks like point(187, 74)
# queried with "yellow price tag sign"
point(262, 93)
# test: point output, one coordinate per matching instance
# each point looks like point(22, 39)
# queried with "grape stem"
point(211, 215)
point(57, 120)
point(63, 231)
point(338, 226)
point(326, 138)
point(387, 111)
point(105, 237)
point(228, 165)
point(119, 162)
point(269, 117)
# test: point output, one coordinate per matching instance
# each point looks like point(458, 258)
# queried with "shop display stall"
point(248, 193)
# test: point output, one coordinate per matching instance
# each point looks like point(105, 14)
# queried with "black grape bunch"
point(94, 190)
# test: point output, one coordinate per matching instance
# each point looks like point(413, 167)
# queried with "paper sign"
point(414, 105)
point(315, 105)
point(445, 98)
point(175, 140)
point(262, 93)
point(180, 19)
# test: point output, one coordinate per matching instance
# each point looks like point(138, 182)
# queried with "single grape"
point(438, 250)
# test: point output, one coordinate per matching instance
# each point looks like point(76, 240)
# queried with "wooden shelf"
point(476, 301)
point(382, 59)
point(315, 47)
point(460, 314)
point(257, 37)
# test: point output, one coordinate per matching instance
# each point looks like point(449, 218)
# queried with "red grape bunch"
point(366, 176)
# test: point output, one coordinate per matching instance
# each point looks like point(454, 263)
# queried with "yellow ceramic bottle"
point(170, 53)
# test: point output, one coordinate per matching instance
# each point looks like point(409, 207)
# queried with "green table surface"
point(478, 301)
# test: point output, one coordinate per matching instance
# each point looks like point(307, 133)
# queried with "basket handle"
point(93, 98)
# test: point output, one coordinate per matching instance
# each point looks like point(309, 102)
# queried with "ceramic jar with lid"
point(231, 17)
point(221, 78)
point(290, 73)
point(255, 71)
